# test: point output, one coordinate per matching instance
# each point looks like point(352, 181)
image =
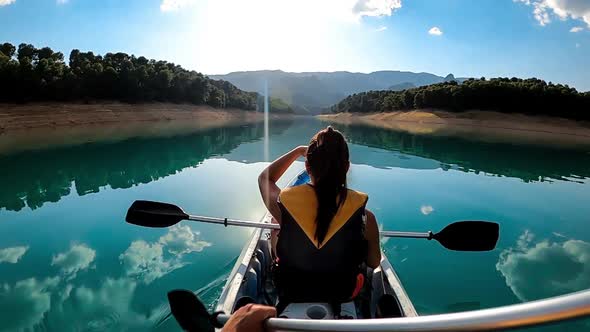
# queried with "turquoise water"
point(69, 262)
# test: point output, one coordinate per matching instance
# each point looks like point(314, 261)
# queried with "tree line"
point(40, 74)
point(508, 95)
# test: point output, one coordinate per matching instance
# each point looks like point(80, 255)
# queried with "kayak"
point(250, 281)
point(382, 296)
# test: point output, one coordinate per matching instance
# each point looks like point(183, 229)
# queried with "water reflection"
point(529, 163)
point(83, 268)
point(545, 268)
point(147, 262)
point(72, 301)
point(12, 254)
point(33, 178)
point(78, 258)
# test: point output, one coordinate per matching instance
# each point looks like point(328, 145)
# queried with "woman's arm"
point(267, 181)
point(372, 236)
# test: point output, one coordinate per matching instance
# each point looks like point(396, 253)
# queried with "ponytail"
point(328, 160)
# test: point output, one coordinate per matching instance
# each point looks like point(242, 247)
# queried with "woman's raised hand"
point(302, 149)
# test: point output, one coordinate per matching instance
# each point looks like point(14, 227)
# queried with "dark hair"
point(327, 157)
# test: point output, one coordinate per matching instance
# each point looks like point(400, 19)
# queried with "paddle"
point(459, 236)
point(190, 312)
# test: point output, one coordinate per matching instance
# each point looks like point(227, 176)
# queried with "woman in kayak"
point(326, 233)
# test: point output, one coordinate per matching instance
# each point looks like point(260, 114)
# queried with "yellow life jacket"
point(308, 271)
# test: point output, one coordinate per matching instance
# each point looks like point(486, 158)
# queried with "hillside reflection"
point(526, 162)
point(33, 178)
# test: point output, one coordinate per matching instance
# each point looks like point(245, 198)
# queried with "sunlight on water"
point(266, 142)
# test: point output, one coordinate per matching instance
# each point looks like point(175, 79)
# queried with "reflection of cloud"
point(147, 261)
point(55, 304)
point(426, 209)
point(12, 254)
point(182, 240)
point(107, 307)
point(24, 305)
point(76, 259)
point(113, 297)
point(546, 268)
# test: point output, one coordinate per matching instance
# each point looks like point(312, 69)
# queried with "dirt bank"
point(34, 126)
point(480, 125)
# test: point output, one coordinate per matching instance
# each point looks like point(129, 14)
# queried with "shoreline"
point(486, 126)
point(52, 115)
point(47, 125)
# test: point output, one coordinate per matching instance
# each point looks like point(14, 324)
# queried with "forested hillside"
point(509, 95)
point(40, 74)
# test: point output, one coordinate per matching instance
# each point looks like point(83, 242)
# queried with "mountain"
point(313, 92)
point(401, 86)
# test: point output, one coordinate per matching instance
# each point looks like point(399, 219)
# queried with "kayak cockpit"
point(251, 282)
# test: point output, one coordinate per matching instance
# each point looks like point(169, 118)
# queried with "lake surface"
point(69, 262)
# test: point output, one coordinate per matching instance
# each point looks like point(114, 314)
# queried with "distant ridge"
point(313, 92)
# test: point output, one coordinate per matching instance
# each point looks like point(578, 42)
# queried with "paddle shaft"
point(555, 309)
point(245, 223)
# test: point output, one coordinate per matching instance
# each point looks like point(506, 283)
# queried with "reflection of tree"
point(33, 178)
point(528, 163)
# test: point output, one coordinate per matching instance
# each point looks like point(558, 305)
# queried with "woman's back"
point(311, 271)
point(324, 236)
point(297, 239)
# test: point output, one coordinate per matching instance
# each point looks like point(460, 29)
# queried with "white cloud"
point(381, 28)
point(146, 261)
point(76, 259)
point(545, 269)
point(576, 29)
point(426, 209)
point(23, 305)
point(376, 7)
point(6, 2)
point(182, 240)
point(563, 9)
point(435, 31)
point(12, 254)
point(174, 5)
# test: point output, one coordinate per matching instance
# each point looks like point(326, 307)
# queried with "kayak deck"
point(251, 281)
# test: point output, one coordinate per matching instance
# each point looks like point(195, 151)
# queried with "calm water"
point(69, 262)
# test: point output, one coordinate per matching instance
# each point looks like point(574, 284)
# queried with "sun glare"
point(271, 34)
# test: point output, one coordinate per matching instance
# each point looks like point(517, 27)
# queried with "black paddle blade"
point(154, 214)
point(469, 236)
point(189, 312)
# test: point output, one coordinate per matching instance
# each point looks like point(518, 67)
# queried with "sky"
point(547, 39)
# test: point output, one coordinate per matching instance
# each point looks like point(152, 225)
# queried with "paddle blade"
point(189, 311)
point(154, 214)
point(469, 236)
